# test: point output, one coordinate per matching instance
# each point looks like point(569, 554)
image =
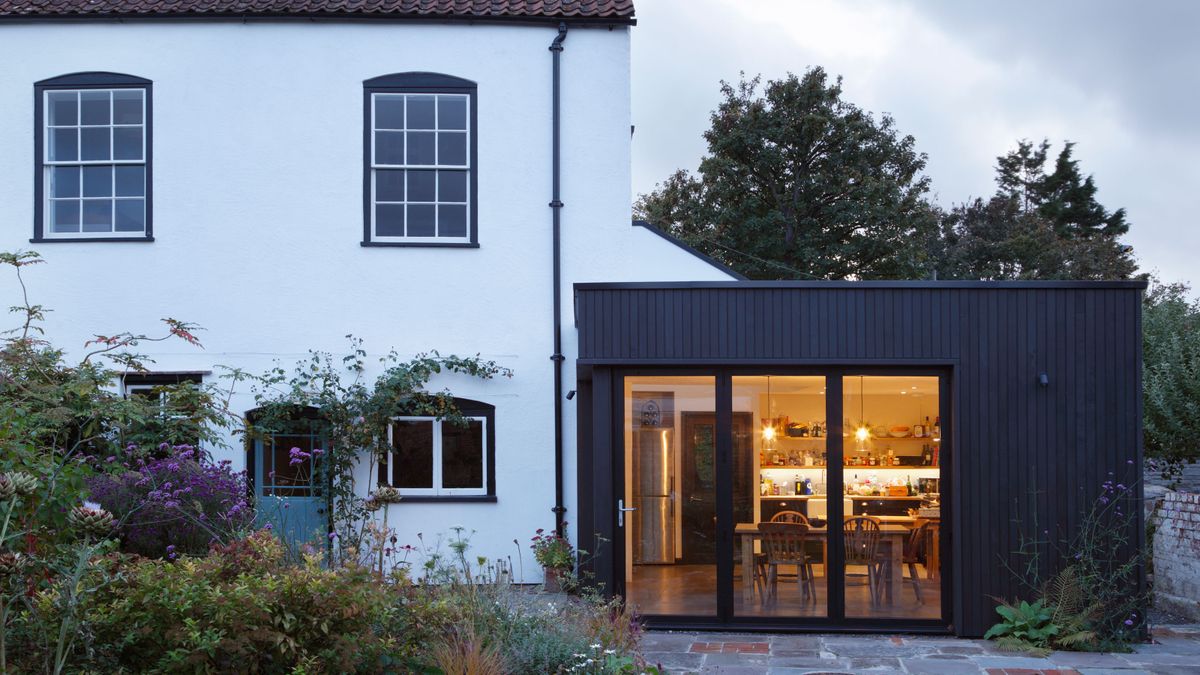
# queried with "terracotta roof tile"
point(467, 9)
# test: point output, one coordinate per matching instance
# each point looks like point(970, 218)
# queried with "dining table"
point(892, 534)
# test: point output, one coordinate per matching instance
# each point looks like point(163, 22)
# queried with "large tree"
point(799, 183)
point(1038, 225)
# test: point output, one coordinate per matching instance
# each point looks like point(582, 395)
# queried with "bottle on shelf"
point(937, 428)
point(911, 490)
point(918, 430)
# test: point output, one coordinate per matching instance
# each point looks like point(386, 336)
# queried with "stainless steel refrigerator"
point(654, 495)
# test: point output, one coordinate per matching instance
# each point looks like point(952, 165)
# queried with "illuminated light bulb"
point(769, 433)
point(862, 433)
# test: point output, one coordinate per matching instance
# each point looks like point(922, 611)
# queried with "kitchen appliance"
point(653, 478)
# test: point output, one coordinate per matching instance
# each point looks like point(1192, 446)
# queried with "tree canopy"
point(799, 183)
point(1038, 225)
point(1171, 376)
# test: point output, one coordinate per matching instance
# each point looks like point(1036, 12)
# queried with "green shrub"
point(241, 610)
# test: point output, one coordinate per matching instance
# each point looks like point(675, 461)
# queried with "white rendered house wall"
point(257, 216)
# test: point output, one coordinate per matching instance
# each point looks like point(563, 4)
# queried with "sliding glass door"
point(783, 498)
point(892, 481)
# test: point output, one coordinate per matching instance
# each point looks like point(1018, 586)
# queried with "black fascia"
point(88, 80)
point(741, 285)
point(422, 83)
point(681, 244)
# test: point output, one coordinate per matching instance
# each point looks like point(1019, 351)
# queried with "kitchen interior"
point(891, 470)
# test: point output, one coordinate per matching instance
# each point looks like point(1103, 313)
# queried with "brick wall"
point(1177, 555)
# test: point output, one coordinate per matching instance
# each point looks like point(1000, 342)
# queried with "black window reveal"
point(419, 161)
point(92, 158)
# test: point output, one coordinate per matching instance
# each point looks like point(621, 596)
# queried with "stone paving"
point(1176, 649)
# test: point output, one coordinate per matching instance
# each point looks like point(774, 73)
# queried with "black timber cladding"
point(1018, 446)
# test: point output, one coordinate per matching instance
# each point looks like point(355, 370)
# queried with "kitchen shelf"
point(848, 466)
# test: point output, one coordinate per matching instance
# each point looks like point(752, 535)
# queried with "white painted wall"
point(258, 215)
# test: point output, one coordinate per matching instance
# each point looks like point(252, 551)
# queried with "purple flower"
point(267, 526)
point(1128, 622)
point(332, 536)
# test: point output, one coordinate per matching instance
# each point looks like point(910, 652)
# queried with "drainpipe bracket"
point(559, 358)
point(556, 204)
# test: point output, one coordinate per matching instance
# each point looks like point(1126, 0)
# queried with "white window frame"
point(437, 490)
point(49, 165)
point(465, 168)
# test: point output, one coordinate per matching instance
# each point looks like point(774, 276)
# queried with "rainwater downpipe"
point(556, 205)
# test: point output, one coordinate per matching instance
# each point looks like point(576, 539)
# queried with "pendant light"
point(862, 433)
point(768, 432)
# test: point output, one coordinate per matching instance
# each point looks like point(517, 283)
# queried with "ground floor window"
point(433, 457)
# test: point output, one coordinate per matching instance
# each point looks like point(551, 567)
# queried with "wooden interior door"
point(698, 517)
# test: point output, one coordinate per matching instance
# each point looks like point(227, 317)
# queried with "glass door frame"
point(835, 375)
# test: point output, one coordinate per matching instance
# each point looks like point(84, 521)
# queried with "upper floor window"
point(419, 160)
point(92, 172)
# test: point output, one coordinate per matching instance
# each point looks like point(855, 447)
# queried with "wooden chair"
point(861, 536)
point(760, 559)
point(783, 544)
point(916, 552)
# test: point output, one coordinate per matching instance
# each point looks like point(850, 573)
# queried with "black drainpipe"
point(556, 205)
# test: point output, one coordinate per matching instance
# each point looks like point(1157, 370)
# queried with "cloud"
point(966, 79)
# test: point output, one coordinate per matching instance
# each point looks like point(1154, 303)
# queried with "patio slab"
point(733, 653)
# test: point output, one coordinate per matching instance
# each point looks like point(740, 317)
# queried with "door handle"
point(621, 511)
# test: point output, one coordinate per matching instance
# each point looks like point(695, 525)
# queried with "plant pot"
point(555, 577)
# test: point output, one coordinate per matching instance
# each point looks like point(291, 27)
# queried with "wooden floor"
point(691, 590)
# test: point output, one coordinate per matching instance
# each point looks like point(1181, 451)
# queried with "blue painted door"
point(289, 491)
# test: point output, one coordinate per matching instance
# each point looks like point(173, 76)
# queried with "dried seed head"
point(94, 522)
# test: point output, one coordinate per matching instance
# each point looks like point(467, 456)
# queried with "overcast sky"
point(1119, 78)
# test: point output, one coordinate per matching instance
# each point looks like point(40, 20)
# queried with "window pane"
point(389, 186)
point(462, 455)
point(389, 220)
point(289, 470)
point(127, 143)
point(64, 107)
point(421, 186)
point(94, 144)
point(131, 215)
point(420, 147)
point(412, 443)
point(389, 112)
point(131, 181)
point(452, 149)
point(97, 215)
point(64, 181)
point(452, 186)
point(64, 216)
point(452, 221)
point(420, 112)
point(389, 147)
point(64, 145)
point(97, 181)
point(94, 107)
point(127, 106)
point(421, 220)
point(452, 112)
